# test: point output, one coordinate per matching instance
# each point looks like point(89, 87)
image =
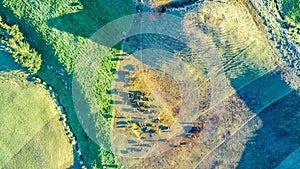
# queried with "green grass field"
point(31, 135)
point(58, 30)
point(291, 10)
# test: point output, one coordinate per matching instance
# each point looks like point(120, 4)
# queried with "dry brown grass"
point(235, 52)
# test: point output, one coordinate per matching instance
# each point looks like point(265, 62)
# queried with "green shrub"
point(291, 10)
point(20, 50)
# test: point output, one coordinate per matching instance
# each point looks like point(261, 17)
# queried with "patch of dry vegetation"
point(229, 51)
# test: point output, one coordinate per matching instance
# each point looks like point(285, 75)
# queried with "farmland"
point(234, 92)
point(232, 85)
point(56, 34)
point(30, 128)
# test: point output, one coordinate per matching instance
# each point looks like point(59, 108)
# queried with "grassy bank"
point(31, 135)
point(58, 30)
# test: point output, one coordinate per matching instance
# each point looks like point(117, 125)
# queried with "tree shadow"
point(7, 62)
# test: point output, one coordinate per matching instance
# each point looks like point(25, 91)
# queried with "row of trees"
point(20, 50)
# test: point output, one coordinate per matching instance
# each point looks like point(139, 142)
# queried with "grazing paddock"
point(31, 135)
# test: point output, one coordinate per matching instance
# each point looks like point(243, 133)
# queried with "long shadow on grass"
point(97, 13)
point(277, 107)
point(94, 15)
point(35, 38)
point(273, 132)
point(7, 62)
point(274, 102)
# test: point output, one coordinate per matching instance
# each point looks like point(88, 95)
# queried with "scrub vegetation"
point(19, 49)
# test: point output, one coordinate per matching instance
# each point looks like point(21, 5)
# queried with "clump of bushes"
point(291, 9)
point(20, 50)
